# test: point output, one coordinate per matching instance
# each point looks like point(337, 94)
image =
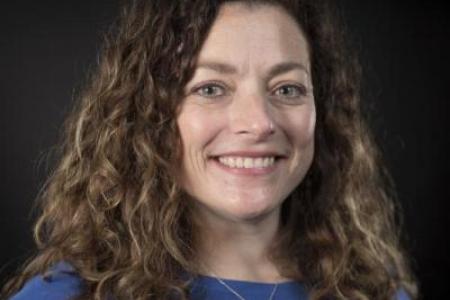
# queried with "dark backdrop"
point(46, 48)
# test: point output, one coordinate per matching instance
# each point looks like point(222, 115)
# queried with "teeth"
point(247, 162)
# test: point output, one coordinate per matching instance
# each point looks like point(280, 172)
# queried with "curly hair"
point(113, 209)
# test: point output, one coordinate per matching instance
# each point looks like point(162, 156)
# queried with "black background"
point(46, 48)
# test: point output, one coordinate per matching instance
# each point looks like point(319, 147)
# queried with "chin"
point(238, 208)
point(253, 212)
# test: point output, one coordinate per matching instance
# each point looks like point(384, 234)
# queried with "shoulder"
point(60, 283)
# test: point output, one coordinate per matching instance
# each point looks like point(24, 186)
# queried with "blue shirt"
point(206, 288)
point(63, 283)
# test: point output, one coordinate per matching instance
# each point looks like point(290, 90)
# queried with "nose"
point(251, 115)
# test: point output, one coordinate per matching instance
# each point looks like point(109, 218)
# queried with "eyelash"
point(197, 90)
point(300, 90)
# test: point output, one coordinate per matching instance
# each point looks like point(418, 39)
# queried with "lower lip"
point(247, 171)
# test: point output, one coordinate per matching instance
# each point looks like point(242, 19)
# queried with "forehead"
point(259, 33)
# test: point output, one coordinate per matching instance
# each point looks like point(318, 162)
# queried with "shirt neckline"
point(211, 280)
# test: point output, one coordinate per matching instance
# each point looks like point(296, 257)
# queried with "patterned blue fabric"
point(206, 288)
point(62, 283)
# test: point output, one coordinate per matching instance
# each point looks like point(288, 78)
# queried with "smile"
point(248, 165)
point(247, 162)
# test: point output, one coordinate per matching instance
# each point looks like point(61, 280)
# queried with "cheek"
point(197, 129)
point(302, 127)
point(302, 138)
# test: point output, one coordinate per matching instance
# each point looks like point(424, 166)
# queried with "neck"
point(238, 249)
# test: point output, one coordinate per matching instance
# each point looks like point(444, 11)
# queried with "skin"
point(251, 95)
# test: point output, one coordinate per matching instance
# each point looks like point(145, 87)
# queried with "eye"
point(290, 91)
point(210, 90)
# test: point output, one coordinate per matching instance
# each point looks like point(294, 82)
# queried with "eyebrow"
point(275, 70)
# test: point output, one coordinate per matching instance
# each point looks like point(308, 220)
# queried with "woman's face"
point(247, 120)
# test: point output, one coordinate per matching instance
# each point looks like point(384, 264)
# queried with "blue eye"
point(290, 91)
point(210, 90)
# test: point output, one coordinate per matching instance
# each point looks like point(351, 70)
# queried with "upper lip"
point(247, 153)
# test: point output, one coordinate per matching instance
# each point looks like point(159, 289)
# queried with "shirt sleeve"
point(402, 295)
point(62, 283)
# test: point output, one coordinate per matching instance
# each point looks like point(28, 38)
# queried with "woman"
point(219, 153)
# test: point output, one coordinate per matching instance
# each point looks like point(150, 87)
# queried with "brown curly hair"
point(113, 209)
